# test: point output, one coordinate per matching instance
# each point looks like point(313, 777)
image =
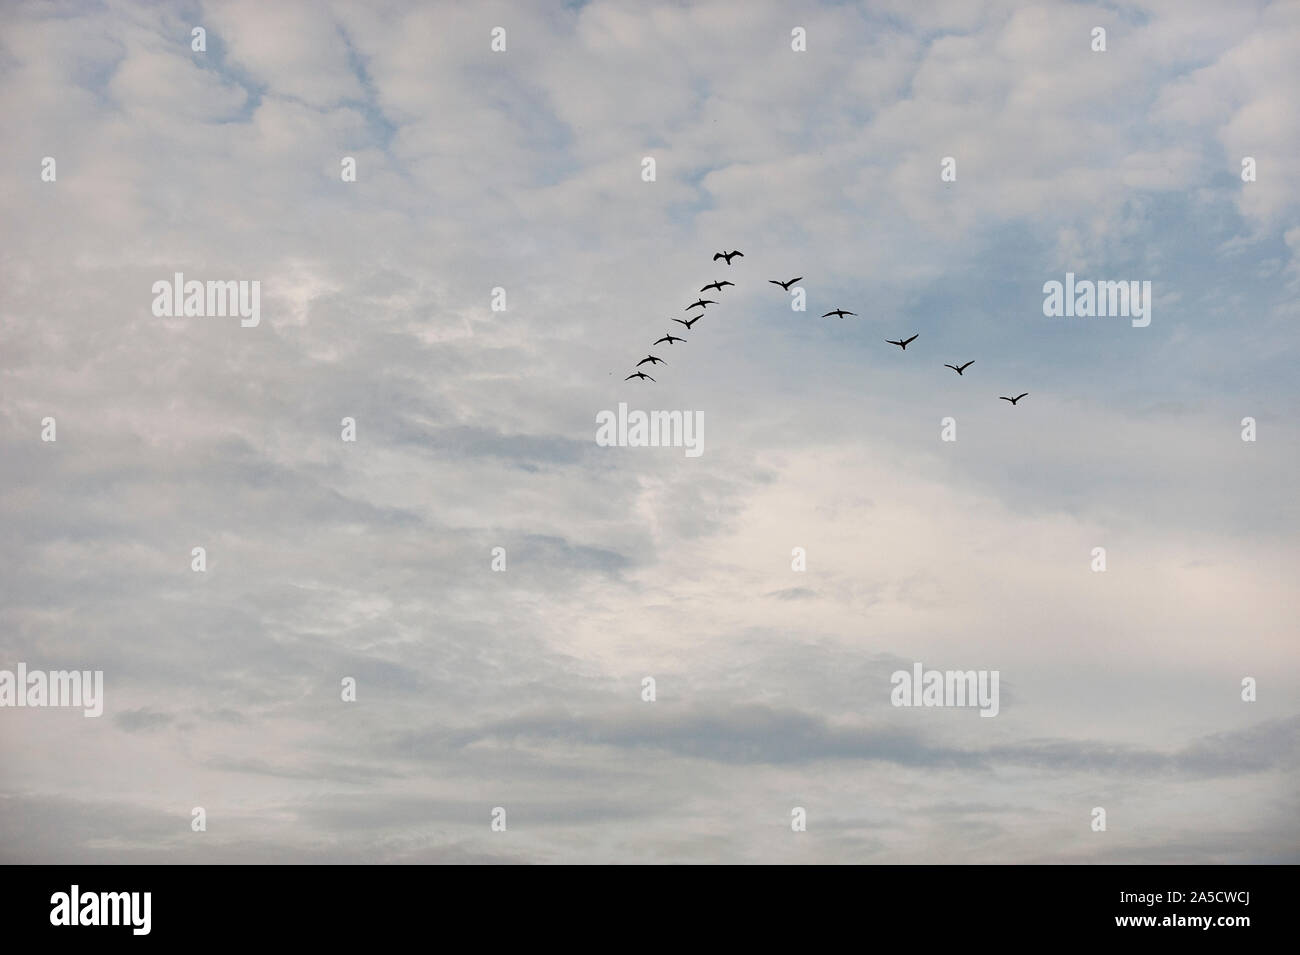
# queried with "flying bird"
point(670, 339)
point(638, 374)
point(1013, 400)
point(786, 285)
point(716, 285)
point(904, 343)
point(960, 368)
point(840, 312)
point(728, 256)
point(690, 323)
point(701, 303)
point(652, 359)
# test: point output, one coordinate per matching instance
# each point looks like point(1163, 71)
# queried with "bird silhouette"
point(670, 339)
point(959, 369)
point(1013, 400)
point(728, 256)
point(638, 374)
point(904, 343)
point(691, 322)
point(840, 312)
point(716, 285)
point(786, 285)
point(701, 303)
point(652, 359)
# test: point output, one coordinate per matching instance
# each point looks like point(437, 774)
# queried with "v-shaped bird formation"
point(719, 285)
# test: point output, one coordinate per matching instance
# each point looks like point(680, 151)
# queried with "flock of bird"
point(704, 303)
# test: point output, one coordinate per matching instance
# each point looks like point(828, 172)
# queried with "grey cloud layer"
point(475, 430)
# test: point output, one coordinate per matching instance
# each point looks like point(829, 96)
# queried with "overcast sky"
point(476, 429)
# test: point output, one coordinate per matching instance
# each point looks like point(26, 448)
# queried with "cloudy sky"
point(475, 429)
